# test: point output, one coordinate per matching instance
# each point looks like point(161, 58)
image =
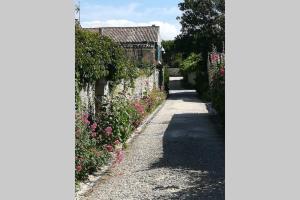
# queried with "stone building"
point(142, 43)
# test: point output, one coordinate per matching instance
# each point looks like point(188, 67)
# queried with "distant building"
point(142, 43)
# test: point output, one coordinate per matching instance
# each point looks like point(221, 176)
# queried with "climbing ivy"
point(90, 58)
point(98, 57)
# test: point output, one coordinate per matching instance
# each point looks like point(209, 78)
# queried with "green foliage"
point(120, 67)
point(88, 154)
point(145, 69)
point(202, 85)
point(203, 21)
point(90, 57)
point(203, 25)
point(117, 113)
point(152, 100)
point(217, 88)
point(191, 63)
point(172, 56)
point(169, 47)
point(218, 96)
point(166, 79)
point(97, 136)
point(98, 57)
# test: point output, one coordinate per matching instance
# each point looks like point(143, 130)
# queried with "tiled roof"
point(130, 34)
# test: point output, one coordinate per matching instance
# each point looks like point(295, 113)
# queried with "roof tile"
point(130, 34)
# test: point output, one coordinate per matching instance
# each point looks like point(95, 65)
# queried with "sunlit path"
point(180, 155)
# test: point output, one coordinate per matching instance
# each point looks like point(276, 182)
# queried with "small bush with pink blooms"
point(217, 85)
point(102, 135)
point(153, 99)
point(88, 154)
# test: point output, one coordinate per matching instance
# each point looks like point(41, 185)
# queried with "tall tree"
point(203, 21)
point(203, 25)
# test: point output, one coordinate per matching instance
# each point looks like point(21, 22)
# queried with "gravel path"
point(180, 155)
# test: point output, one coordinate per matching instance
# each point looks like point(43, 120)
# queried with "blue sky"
point(95, 13)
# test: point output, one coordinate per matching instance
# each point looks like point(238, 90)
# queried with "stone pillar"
point(101, 90)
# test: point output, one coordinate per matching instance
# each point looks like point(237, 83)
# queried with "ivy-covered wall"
point(103, 63)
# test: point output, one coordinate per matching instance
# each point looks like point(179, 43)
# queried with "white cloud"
point(107, 12)
point(167, 31)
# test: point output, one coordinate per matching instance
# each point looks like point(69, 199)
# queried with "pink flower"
point(108, 131)
point(109, 148)
point(117, 142)
point(139, 107)
point(222, 71)
point(78, 168)
point(119, 156)
point(94, 134)
point(85, 118)
point(94, 126)
point(214, 57)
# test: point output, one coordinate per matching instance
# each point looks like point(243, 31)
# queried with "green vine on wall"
point(98, 57)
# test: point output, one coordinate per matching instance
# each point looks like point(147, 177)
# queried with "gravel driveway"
point(180, 155)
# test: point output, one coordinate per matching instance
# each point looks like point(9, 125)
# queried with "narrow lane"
point(180, 155)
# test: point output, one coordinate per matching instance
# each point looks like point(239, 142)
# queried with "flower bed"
point(100, 136)
point(217, 84)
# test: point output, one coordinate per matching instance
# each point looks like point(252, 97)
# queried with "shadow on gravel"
point(193, 145)
point(176, 84)
point(179, 91)
point(186, 96)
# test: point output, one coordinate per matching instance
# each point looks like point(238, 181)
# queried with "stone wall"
point(142, 85)
point(87, 97)
point(142, 54)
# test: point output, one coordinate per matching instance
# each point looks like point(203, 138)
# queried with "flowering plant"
point(217, 84)
point(88, 155)
point(101, 136)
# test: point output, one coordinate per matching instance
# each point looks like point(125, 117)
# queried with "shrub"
point(88, 154)
point(217, 89)
point(153, 99)
point(138, 113)
point(191, 63)
point(98, 136)
point(116, 113)
point(98, 57)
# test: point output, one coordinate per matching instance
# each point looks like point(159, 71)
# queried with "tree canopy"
point(203, 24)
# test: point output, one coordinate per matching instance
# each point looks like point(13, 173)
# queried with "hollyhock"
point(108, 131)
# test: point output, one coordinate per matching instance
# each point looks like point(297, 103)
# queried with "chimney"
point(100, 31)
